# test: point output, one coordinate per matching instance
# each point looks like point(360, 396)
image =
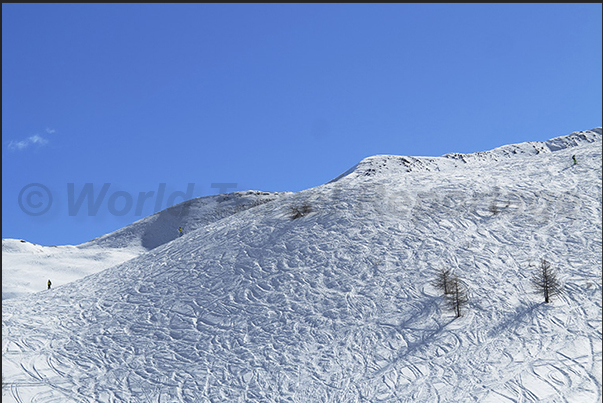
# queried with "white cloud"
point(35, 140)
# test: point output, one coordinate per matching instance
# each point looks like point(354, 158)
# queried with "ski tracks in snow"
point(336, 306)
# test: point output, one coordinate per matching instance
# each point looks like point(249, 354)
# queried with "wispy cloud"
point(35, 140)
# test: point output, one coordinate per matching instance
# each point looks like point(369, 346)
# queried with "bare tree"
point(442, 280)
point(457, 296)
point(545, 281)
point(299, 211)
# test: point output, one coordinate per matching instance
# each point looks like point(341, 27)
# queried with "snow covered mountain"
point(26, 266)
point(162, 227)
point(327, 295)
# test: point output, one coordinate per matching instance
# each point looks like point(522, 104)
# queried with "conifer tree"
point(442, 280)
point(457, 297)
point(545, 281)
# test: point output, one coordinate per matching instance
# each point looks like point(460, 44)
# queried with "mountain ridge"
point(338, 305)
point(373, 164)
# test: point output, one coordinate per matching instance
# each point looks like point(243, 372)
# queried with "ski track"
point(339, 310)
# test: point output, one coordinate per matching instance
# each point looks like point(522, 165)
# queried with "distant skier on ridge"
point(180, 231)
point(574, 158)
point(49, 284)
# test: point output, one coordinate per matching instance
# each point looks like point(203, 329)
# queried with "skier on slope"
point(49, 284)
point(574, 158)
point(180, 231)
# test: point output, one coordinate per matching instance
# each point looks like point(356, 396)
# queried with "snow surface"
point(338, 305)
point(27, 267)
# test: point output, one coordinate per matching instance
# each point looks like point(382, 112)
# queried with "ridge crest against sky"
point(259, 303)
point(158, 228)
point(190, 100)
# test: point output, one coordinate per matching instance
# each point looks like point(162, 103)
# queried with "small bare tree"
point(545, 281)
point(442, 280)
point(493, 208)
point(457, 296)
point(299, 211)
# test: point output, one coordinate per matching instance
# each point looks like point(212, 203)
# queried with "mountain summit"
point(328, 295)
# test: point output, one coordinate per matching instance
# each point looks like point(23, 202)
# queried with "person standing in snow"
point(574, 158)
point(49, 284)
point(180, 231)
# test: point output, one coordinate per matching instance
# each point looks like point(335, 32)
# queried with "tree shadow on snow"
point(523, 313)
point(427, 335)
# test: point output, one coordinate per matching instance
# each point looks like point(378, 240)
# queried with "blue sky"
point(272, 97)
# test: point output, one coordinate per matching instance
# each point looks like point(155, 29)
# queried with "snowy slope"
point(26, 267)
point(338, 306)
point(162, 227)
